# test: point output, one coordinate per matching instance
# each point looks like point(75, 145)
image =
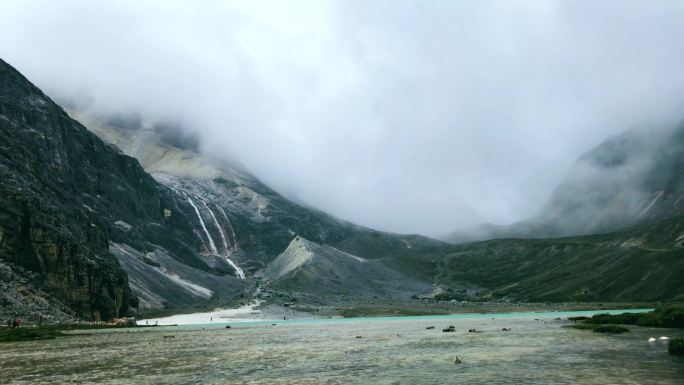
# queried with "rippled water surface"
point(391, 351)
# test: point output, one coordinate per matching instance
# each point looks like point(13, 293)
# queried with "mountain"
point(291, 248)
point(66, 197)
point(631, 179)
point(644, 263)
point(322, 270)
point(54, 175)
point(249, 221)
point(131, 218)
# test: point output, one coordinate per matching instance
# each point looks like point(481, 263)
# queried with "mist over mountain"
point(89, 232)
point(629, 179)
point(342, 191)
point(193, 156)
point(394, 116)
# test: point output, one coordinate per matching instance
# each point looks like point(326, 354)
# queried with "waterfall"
point(230, 225)
point(238, 271)
point(211, 241)
point(199, 236)
point(220, 229)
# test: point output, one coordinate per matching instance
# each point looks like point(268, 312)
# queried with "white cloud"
point(401, 115)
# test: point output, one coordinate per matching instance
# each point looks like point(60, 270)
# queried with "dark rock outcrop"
point(65, 195)
point(52, 170)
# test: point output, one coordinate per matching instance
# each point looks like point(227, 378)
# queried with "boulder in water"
point(449, 329)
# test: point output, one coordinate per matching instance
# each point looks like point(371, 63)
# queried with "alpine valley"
point(105, 217)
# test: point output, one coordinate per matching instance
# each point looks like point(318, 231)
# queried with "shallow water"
point(392, 351)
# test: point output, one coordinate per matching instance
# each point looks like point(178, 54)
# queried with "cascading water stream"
point(212, 245)
point(238, 270)
point(230, 225)
point(220, 229)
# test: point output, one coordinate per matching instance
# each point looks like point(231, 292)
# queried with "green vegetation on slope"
point(639, 264)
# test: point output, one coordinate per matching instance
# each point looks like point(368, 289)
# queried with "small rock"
point(506, 330)
point(358, 337)
point(449, 329)
point(472, 331)
point(457, 360)
point(430, 327)
point(227, 326)
point(170, 336)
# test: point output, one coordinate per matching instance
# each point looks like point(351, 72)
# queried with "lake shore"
point(279, 311)
point(527, 347)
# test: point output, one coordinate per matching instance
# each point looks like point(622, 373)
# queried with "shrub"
point(676, 347)
point(671, 317)
point(611, 329)
point(617, 319)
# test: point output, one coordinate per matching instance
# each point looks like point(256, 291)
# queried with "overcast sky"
point(408, 116)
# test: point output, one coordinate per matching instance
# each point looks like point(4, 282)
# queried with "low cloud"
point(400, 115)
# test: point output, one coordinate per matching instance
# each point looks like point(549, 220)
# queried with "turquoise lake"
point(382, 350)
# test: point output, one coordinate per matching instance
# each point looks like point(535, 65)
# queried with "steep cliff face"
point(51, 172)
point(65, 196)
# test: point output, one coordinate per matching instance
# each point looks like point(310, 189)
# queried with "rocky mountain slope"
point(66, 196)
point(106, 238)
point(253, 224)
point(135, 219)
point(323, 270)
point(53, 173)
point(631, 179)
point(296, 249)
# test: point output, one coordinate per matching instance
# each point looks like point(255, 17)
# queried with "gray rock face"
point(308, 267)
point(19, 297)
point(84, 217)
point(161, 281)
point(54, 173)
point(65, 195)
point(245, 220)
